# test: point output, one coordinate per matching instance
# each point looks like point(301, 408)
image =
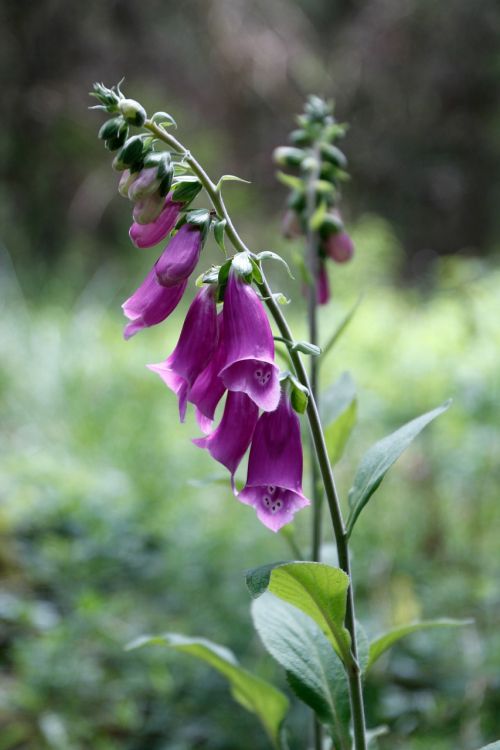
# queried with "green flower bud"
point(111, 128)
point(333, 155)
point(131, 154)
point(133, 112)
point(300, 138)
point(288, 156)
point(331, 224)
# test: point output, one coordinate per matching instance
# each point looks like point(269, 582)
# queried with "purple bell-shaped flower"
point(228, 443)
point(148, 235)
point(196, 345)
point(151, 303)
point(249, 364)
point(274, 480)
point(208, 387)
point(180, 257)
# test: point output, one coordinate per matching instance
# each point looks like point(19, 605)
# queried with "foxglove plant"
point(226, 346)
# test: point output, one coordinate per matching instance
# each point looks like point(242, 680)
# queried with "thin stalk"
point(312, 260)
point(353, 670)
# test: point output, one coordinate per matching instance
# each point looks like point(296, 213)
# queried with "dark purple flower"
point(322, 284)
point(151, 303)
point(340, 247)
point(229, 441)
point(147, 235)
point(178, 260)
point(194, 349)
point(249, 364)
point(274, 480)
point(208, 387)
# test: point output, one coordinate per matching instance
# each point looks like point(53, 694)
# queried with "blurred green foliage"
point(112, 525)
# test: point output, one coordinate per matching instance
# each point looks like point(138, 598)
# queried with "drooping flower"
point(249, 363)
point(208, 387)
point(180, 257)
point(340, 247)
point(228, 443)
point(151, 303)
point(147, 235)
point(322, 284)
point(196, 346)
point(147, 209)
point(146, 183)
point(274, 480)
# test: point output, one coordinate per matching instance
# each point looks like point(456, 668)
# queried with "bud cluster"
point(315, 188)
point(226, 346)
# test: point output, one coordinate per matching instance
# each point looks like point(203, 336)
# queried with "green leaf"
point(253, 693)
point(257, 273)
point(380, 457)
point(306, 348)
point(167, 121)
point(230, 178)
point(318, 216)
point(341, 327)
point(314, 671)
point(269, 255)
point(316, 589)
point(379, 645)
point(219, 227)
point(339, 407)
point(290, 181)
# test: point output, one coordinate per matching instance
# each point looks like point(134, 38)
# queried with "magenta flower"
point(322, 285)
point(151, 303)
point(249, 364)
point(340, 247)
point(228, 443)
point(147, 235)
point(194, 349)
point(208, 387)
point(274, 480)
point(180, 257)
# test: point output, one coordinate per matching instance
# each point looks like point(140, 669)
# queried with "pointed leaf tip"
point(380, 457)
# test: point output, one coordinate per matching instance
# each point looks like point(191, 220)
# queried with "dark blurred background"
point(111, 525)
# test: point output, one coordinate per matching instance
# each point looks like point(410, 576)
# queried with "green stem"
point(312, 260)
point(353, 671)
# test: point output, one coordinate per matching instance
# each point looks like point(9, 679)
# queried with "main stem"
point(353, 670)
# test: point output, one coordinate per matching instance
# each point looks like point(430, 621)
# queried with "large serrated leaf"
point(383, 642)
point(258, 696)
point(339, 408)
point(316, 589)
point(380, 457)
point(314, 671)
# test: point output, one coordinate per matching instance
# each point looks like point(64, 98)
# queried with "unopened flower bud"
point(113, 144)
point(133, 112)
point(288, 156)
point(145, 184)
point(331, 224)
point(148, 209)
point(333, 155)
point(300, 138)
point(111, 128)
point(126, 180)
point(340, 247)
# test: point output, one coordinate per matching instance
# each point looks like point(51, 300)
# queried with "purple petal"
point(275, 506)
point(147, 235)
point(208, 387)
point(276, 452)
point(151, 303)
point(249, 364)
point(340, 247)
point(179, 259)
point(196, 345)
point(257, 378)
point(322, 285)
point(148, 209)
point(229, 442)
